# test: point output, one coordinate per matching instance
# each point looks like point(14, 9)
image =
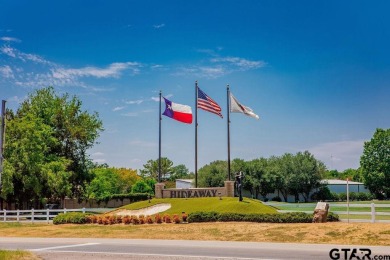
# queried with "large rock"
point(321, 212)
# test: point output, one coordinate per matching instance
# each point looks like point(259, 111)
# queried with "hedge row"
point(71, 218)
point(80, 218)
point(133, 197)
point(292, 217)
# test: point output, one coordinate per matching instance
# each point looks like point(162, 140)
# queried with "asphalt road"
point(94, 248)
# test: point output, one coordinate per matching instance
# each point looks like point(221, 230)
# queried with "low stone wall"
point(226, 191)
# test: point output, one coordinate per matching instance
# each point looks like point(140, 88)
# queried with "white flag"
point(236, 107)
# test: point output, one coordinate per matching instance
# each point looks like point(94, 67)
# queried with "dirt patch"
point(326, 233)
point(144, 211)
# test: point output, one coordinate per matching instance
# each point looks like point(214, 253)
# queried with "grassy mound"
point(227, 204)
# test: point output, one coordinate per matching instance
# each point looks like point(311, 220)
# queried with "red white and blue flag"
point(182, 113)
point(206, 103)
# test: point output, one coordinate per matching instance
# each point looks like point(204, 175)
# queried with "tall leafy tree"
point(26, 156)
point(307, 174)
point(74, 130)
point(213, 174)
point(152, 166)
point(375, 163)
point(46, 148)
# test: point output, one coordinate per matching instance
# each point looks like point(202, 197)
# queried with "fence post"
point(47, 215)
point(17, 215)
point(372, 212)
point(32, 215)
point(64, 210)
point(5, 215)
point(83, 210)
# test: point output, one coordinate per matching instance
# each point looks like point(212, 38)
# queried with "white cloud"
point(8, 51)
point(158, 26)
point(6, 72)
point(14, 53)
point(100, 160)
point(114, 70)
point(157, 99)
point(118, 108)
point(241, 63)
point(217, 66)
point(339, 155)
point(16, 99)
point(202, 72)
point(130, 114)
point(132, 102)
point(10, 39)
point(38, 72)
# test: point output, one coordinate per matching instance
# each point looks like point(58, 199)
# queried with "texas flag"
point(182, 113)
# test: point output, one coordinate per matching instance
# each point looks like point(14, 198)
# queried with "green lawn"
point(206, 204)
point(377, 217)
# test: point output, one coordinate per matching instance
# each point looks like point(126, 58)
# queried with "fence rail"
point(371, 210)
point(33, 215)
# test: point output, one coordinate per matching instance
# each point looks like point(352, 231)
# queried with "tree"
point(179, 172)
point(152, 166)
point(375, 163)
point(26, 157)
point(106, 182)
point(142, 186)
point(213, 174)
point(128, 177)
point(308, 173)
point(47, 141)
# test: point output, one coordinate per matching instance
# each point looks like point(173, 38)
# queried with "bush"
point(292, 217)
point(176, 219)
point(158, 219)
point(167, 218)
point(342, 196)
point(71, 217)
point(133, 197)
point(335, 196)
point(332, 217)
point(277, 198)
point(149, 220)
point(353, 196)
point(323, 193)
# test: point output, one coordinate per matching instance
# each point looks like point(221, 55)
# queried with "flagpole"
point(159, 142)
point(196, 134)
point(228, 128)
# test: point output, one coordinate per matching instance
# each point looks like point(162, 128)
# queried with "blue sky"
point(316, 72)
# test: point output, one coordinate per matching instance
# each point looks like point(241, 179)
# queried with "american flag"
point(206, 103)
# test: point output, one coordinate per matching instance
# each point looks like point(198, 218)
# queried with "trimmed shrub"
point(332, 217)
point(342, 196)
point(292, 217)
point(149, 220)
point(167, 218)
point(184, 216)
point(158, 219)
point(126, 220)
point(176, 219)
point(71, 217)
point(277, 198)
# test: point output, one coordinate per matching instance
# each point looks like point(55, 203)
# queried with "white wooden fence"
point(371, 211)
point(33, 215)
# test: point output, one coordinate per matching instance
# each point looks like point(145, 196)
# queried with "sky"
point(316, 72)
